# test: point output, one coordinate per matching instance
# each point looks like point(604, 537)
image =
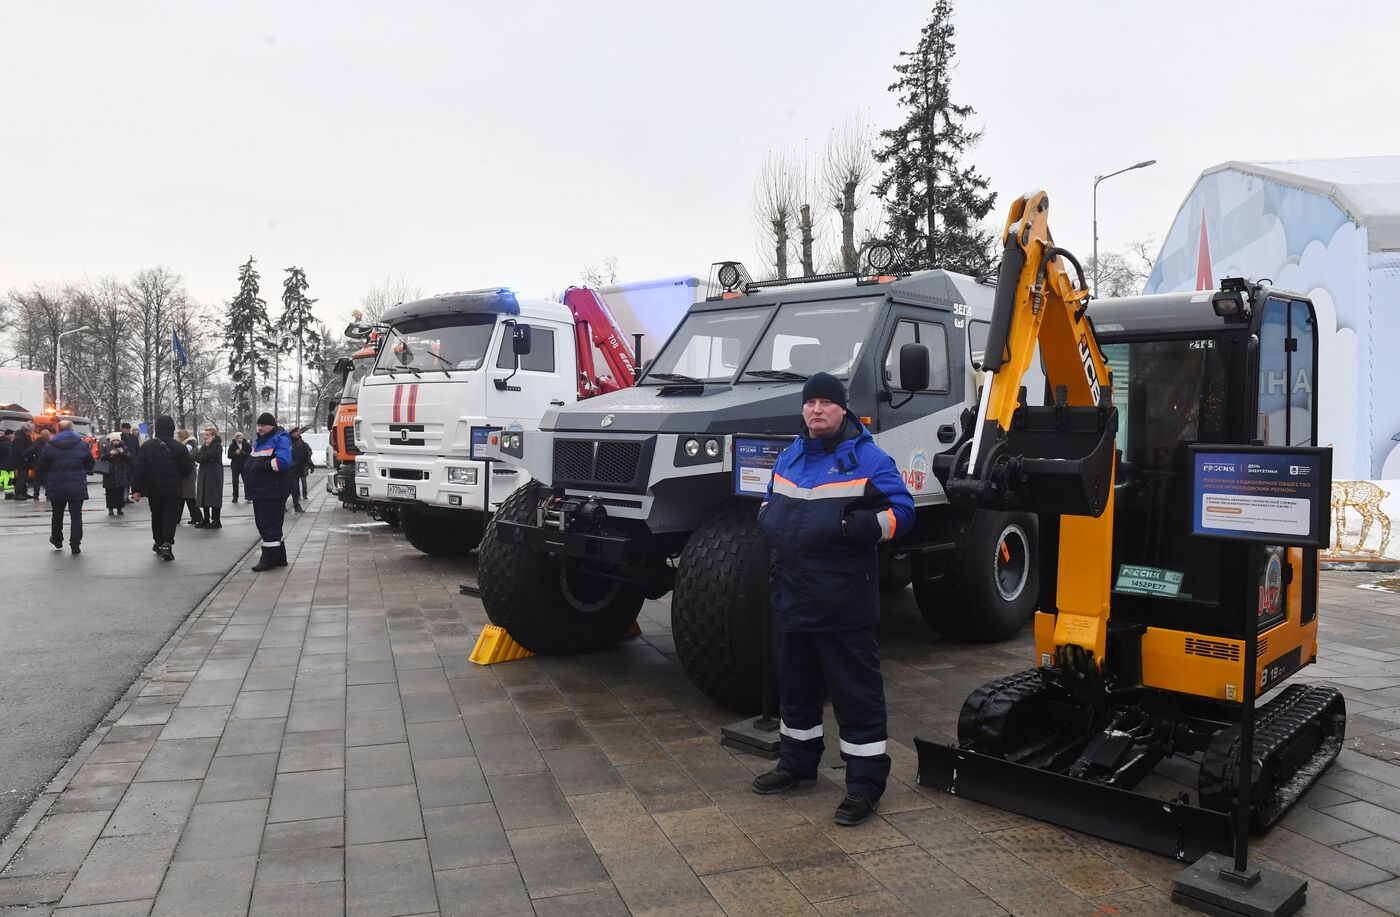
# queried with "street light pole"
point(58, 365)
point(1098, 178)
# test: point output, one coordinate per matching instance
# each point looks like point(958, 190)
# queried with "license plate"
point(403, 492)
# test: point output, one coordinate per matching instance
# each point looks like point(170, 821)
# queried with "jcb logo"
point(1086, 357)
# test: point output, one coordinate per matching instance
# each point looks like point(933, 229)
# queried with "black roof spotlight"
point(729, 276)
point(880, 257)
point(1231, 302)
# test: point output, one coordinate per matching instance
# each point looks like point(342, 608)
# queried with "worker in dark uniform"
point(833, 498)
point(266, 476)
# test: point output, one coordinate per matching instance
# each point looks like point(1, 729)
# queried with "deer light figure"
point(1365, 497)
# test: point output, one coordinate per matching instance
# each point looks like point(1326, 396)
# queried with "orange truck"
point(344, 449)
point(81, 426)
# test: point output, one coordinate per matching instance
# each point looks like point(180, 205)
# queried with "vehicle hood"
point(759, 407)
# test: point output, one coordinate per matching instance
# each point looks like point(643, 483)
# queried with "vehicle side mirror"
point(913, 367)
point(520, 339)
point(341, 366)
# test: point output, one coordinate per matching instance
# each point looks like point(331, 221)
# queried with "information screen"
point(754, 458)
point(1268, 494)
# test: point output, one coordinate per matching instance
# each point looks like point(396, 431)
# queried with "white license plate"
point(403, 492)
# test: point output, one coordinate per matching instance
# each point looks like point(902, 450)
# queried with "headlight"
point(712, 447)
point(692, 447)
point(362, 468)
point(461, 475)
point(516, 441)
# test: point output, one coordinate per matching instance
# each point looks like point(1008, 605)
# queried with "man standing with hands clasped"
point(265, 478)
point(834, 497)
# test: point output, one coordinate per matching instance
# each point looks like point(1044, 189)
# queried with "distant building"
point(1329, 229)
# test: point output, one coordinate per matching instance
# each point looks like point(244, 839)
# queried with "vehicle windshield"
point(708, 347)
point(435, 344)
point(350, 393)
point(813, 337)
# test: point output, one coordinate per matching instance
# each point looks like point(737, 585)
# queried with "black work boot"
point(855, 810)
point(167, 551)
point(778, 780)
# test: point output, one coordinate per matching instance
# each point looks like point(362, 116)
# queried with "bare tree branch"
point(775, 208)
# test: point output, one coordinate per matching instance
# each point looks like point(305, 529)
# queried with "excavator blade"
point(1173, 829)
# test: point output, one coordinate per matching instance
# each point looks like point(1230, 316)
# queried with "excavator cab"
point(1128, 726)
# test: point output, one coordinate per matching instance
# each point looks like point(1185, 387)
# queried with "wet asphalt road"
point(76, 631)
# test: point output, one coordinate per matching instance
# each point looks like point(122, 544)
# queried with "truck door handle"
point(946, 433)
point(557, 403)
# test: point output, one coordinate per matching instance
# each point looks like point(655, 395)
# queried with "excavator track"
point(1296, 735)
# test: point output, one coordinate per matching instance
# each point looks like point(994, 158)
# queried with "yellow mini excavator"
point(1140, 637)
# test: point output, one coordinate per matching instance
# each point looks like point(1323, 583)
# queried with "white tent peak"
point(1366, 188)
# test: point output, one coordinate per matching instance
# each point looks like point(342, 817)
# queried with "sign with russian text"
point(481, 438)
point(754, 458)
point(1267, 494)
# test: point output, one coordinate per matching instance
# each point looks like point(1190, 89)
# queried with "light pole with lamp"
point(1098, 178)
point(58, 365)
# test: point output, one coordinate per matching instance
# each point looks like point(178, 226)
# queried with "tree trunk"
point(849, 255)
point(780, 247)
point(804, 219)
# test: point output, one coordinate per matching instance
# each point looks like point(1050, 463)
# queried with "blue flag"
point(179, 350)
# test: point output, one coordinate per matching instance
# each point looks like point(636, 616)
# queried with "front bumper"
point(617, 550)
point(424, 481)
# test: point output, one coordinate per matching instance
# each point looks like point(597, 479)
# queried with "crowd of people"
point(173, 470)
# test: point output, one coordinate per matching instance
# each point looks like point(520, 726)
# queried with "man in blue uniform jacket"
point(266, 476)
point(834, 497)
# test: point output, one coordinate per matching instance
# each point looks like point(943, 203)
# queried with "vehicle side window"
point(540, 359)
point(933, 336)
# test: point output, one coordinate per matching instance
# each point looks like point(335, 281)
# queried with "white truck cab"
point(451, 369)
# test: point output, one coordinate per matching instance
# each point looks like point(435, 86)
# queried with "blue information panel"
point(754, 458)
point(480, 439)
point(1269, 494)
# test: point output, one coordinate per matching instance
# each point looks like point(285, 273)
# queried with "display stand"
point(759, 735)
point(1228, 476)
point(479, 436)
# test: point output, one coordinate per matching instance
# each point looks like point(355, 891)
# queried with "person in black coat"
point(31, 460)
point(238, 452)
point(23, 440)
point(162, 464)
point(302, 463)
point(131, 442)
point(209, 480)
point(64, 464)
point(118, 477)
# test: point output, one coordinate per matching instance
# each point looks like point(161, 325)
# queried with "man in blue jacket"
point(834, 497)
point(266, 476)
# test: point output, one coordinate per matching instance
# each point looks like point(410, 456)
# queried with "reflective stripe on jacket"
point(830, 504)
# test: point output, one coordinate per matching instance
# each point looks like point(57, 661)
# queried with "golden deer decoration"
point(1365, 497)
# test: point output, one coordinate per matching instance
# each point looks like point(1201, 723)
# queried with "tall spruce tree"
point(298, 327)
point(932, 200)
point(248, 338)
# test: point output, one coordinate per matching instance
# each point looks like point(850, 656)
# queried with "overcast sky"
point(462, 144)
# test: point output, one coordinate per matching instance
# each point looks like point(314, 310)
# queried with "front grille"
point(596, 461)
point(406, 474)
point(350, 446)
point(573, 459)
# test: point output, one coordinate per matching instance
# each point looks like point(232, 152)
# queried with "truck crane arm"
point(1053, 459)
point(594, 326)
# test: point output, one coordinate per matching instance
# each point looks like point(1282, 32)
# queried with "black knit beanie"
point(824, 385)
point(266, 418)
point(165, 426)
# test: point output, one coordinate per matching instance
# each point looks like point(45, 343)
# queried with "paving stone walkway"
point(314, 742)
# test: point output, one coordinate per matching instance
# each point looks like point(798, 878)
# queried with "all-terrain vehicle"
point(656, 488)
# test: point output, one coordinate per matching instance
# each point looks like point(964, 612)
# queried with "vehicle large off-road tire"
point(719, 607)
point(548, 608)
point(989, 589)
point(442, 536)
